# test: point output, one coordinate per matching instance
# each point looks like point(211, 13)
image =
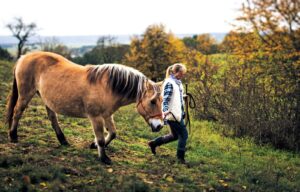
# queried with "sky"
point(120, 17)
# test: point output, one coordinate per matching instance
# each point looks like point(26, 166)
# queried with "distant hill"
point(78, 41)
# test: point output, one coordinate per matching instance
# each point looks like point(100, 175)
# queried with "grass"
point(216, 163)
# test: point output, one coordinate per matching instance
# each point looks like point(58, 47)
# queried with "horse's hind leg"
point(21, 104)
point(59, 134)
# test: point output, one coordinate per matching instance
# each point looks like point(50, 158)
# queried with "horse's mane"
point(124, 81)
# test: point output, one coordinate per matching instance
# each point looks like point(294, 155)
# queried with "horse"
point(92, 91)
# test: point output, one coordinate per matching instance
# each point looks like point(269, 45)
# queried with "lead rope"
point(190, 103)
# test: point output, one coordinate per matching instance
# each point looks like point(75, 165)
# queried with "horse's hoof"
point(14, 140)
point(93, 146)
point(65, 143)
point(13, 137)
point(106, 160)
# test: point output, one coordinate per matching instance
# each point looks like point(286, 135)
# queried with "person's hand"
point(165, 113)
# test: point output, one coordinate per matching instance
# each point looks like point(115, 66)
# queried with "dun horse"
point(95, 92)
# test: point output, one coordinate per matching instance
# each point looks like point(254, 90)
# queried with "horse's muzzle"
point(156, 129)
point(155, 124)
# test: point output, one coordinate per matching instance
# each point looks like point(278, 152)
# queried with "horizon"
point(82, 40)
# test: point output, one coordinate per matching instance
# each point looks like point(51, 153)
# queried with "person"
point(173, 111)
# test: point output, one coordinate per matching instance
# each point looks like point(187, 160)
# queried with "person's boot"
point(180, 156)
point(155, 143)
point(152, 146)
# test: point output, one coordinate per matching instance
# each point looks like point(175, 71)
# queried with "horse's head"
point(149, 106)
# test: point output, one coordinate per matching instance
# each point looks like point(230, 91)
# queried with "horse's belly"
point(70, 112)
point(70, 106)
point(63, 97)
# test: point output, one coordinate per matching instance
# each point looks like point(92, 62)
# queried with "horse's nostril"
point(152, 128)
point(155, 125)
point(159, 127)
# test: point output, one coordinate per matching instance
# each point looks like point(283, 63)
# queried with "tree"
point(276, 22)
point(206, 44)
point(190, 42)
point(259, 86)
point(234, 43)
point(154, 52)
point(106, 51)
point(254, 87)
point(22, 32)
point(106, 41)
point(54, 45)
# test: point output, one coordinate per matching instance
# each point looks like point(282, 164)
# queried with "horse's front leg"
point(110, 125)
point(98, 125)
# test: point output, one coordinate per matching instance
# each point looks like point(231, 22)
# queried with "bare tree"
point(22, 32)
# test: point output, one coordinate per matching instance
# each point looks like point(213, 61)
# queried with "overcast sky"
point(117, 17)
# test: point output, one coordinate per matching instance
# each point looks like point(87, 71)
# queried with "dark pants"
point(177, 131)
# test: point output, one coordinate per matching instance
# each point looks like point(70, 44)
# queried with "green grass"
point(216, 163)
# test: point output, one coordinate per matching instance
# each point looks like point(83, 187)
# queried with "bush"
point(5, 55)
point(255, 96)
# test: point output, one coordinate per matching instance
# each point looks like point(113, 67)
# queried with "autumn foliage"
point(154, 51)
point(254, 86)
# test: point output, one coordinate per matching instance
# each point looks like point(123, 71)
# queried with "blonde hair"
point(175, 68)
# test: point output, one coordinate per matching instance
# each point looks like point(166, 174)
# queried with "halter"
point(148, 114)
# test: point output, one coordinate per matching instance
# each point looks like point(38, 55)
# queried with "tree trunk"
point(20, 48)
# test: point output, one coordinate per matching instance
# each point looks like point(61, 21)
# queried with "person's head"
point(178, 70)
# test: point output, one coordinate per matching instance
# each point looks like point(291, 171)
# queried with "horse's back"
point(38, 61)
point(33, 65)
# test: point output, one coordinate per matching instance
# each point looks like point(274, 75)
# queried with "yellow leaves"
point(205, 43)
point(43, 184)
point(155, 51)
point(223, 183)
point(91, 181)
point(241, 43)
point(168, 177)
point(147, 181)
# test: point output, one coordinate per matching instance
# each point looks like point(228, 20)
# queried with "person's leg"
point(182, 139)
point(172, 136)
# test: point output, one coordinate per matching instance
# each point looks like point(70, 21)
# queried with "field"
point(216, 162)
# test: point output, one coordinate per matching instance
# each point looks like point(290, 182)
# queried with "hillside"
point(216, 163)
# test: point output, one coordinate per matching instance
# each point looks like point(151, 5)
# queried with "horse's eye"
point(153, 101)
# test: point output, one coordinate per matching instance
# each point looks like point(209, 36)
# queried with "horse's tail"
point(11, 102)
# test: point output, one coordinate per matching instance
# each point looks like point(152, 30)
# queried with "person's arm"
point(168, 91)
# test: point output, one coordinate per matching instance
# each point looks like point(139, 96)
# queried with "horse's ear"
point(149, 85)
point(159, 84)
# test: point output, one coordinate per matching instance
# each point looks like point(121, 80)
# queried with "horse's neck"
point(128, 102)
point(124, 101)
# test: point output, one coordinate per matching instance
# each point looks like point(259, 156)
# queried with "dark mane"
point(124, 81)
